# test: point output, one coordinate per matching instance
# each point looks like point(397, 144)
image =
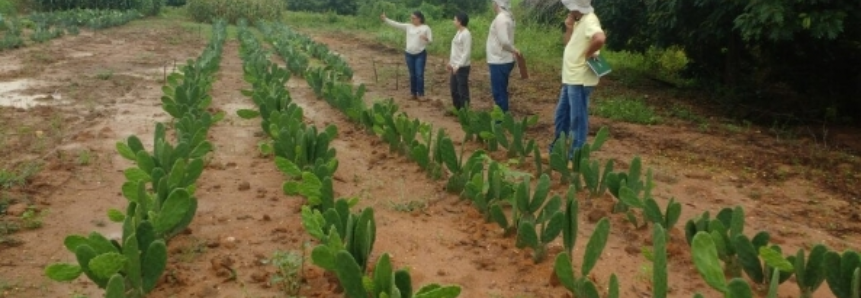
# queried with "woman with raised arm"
point(418, 37)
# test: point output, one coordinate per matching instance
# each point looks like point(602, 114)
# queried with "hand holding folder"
point(599, 65)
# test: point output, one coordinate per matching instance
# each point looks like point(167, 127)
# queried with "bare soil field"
point(65, 104)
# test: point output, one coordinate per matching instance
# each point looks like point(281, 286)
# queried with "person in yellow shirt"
point(583, 39)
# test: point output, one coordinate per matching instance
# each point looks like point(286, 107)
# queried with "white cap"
point(504, 4)
point(583, 6)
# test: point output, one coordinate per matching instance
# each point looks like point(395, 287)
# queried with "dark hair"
point(419, 15)
point(462, 18)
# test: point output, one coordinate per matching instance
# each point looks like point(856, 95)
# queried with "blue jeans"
point(572, 115)
point(499, 74)
point(416, 65)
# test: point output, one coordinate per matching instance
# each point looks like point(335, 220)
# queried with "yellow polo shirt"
point(575, 71)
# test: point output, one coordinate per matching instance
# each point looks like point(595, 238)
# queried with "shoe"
point(415, 97)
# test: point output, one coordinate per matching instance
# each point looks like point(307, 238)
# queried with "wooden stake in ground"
point(376, 78)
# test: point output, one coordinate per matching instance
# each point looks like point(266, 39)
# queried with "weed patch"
point(625, 109)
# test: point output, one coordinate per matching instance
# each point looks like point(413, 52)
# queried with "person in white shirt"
point(418, 37)
point(501, 52)
point(458, 63)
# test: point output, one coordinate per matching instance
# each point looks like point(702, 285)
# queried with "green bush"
point(342, 7)
point(175, 2)
point(7, 8)
point(233, 10)
point(625, 109)
point(146, 7)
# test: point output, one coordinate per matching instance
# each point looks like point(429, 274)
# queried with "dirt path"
point(99, 96)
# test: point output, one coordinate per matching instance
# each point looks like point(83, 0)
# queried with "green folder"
point(599, 66)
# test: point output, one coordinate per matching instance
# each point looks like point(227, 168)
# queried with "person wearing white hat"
point(583, 39)
point(501, 52)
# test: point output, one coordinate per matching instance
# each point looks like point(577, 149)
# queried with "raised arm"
point(392, 23)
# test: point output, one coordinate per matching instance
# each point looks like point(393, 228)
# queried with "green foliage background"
point(233, 10)
point(768, 57)
point(147, 7)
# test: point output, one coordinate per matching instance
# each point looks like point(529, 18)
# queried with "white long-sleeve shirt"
point(461, 49)
point(415, 44)
point(500, 40)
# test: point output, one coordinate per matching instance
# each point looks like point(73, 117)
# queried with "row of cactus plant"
point(159, 189)
point(50, 25)
point(345, 239)
point(537, 220)
point(301, 152)
point(493, 188)
point(433, 150)
point(721, 240)
point(90, 18)
point(496, 129)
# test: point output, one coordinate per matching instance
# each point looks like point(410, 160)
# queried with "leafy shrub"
point(371, 10)
point(232, 10)
point(94, 19)
point(7, 8)
point(626, 109)
point(147, 7)
point(175, 2)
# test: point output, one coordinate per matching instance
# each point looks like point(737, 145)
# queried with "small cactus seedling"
point(516, 145)
point(659, 258)
point(843, 273)
point(707, 262)
point(458, 180)
point(559, 158)
point(582, 286)
point(809, 275)
point(728, 224)
point(568, 162)
point(569, 230)
point(667, 219)
point(138, 263)
point(760, 261)
point(384, 282)
point(595, 180)
point(354, 234)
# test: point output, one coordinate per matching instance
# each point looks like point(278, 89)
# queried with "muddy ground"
point(67, 102)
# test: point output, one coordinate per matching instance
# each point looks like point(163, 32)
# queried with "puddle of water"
point(11, 96)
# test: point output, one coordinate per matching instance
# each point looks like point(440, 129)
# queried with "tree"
point(808, 45)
